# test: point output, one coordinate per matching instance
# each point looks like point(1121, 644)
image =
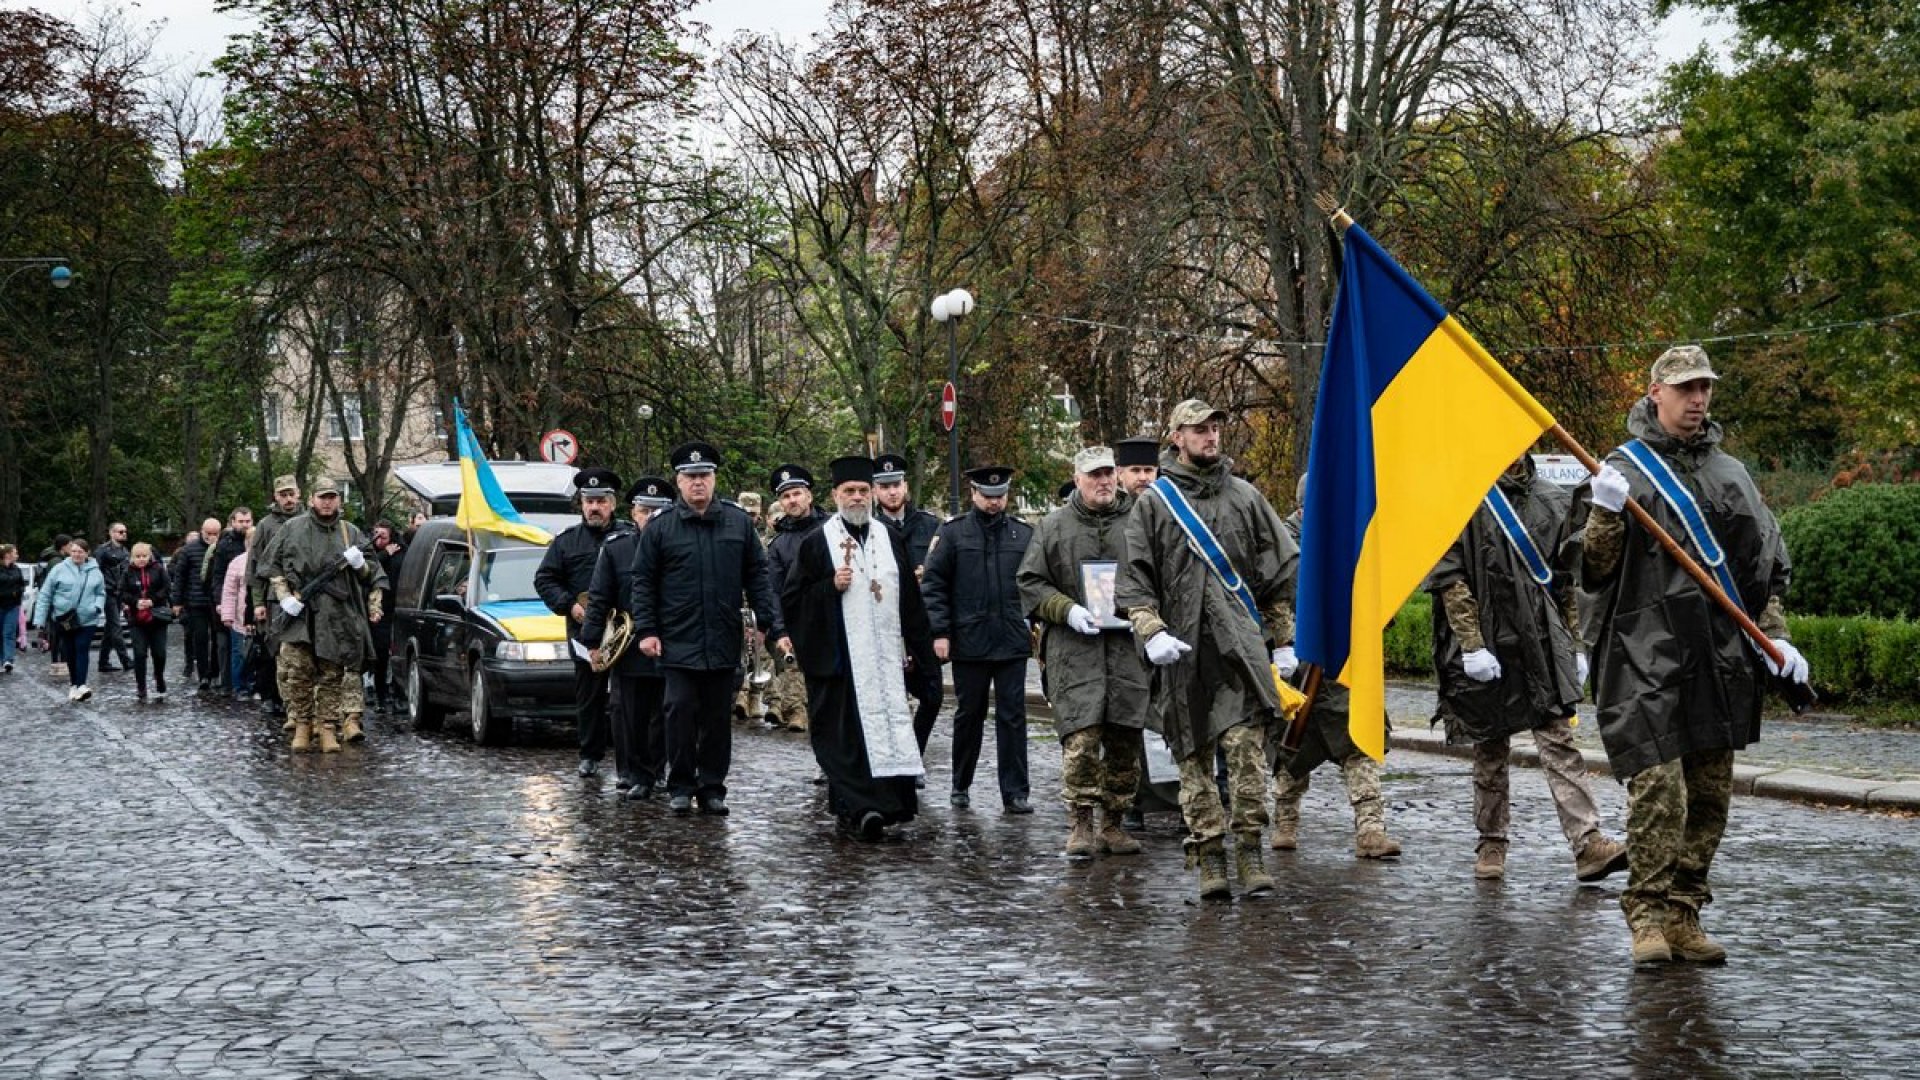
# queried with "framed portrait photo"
point(1097, 580)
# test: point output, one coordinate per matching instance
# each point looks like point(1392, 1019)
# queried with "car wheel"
point(422, 713)
point(489, 727)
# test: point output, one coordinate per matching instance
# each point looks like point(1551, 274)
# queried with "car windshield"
point(507, 574)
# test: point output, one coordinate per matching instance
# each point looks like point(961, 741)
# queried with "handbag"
point(68, 622)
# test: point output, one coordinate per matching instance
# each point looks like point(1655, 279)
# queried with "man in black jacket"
point(639, 738)
point(195, 594)
point(112, 557)
point(696, 564)
point(915, 527)
point(793, 489)
point(566, 571)
point(979, 624)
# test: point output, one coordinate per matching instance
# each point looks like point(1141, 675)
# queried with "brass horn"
point(613, 640)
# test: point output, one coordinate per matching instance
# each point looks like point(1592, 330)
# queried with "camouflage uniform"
point(788, 696)
point(323, 649)
point(1327, 739)
point(1677, 685)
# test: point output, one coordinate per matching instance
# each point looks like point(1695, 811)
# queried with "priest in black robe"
point(858, 625)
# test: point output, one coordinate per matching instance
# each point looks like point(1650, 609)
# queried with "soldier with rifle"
point(320, 580)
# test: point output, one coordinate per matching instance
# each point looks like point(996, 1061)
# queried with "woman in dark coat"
point(147, 596)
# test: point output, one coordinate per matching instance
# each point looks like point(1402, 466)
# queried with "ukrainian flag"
point(483, 506)
point(1414, 423)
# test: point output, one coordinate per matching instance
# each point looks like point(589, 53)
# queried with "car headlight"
point(529, 650)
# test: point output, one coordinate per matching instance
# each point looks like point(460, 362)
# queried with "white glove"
point(1481, 665)
point(1608, 489)
point(292, 606)
point(354, 557)
point(1082, 621)
point(1796, 666)
point(1286, 661)
point(1581, 668)
point(1163, 649)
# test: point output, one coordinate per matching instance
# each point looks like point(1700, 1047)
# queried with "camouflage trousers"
point(317, 691)
point(1676, 814)
point(1246, 748)
point(1566, 778)
point(1360, 773)
point(788, 697)
point(1100, 766)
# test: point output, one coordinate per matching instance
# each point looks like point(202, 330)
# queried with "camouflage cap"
point(749, 501)
point(326, 485)
point(1093, 459)
point(285, 482)
point(1682, 363)
point(1192, 411)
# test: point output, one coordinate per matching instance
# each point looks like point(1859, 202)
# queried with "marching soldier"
point(1328, 739)
point(793, 489)
point(1677, 684)
point(915, 526)
point(1504, 634)
point(980, 626)
point(286, 506)
point(1096, 681)
point(566, 571)
point(639, 736)
point(320, 577)
point(696, 564)
point(1201, 529)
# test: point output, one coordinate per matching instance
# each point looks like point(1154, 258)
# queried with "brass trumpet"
point(613, 640)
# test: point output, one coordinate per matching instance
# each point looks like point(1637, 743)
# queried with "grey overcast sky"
point(193, 32)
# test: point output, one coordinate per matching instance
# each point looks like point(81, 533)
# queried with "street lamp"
point(646, 443)
point(59, 276)
point(950, 308)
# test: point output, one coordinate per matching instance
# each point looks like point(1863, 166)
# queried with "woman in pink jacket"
point(236, 614)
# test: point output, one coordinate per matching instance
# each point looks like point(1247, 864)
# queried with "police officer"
point(696, 564)
point(793, 490)
point(915, 526)
point(566, 571)
point(979, 625)
point(639, 739)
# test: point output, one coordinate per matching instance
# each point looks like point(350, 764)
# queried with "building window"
point(355, 429)
point(270, 407)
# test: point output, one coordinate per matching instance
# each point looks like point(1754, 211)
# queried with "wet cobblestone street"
point(184, 898)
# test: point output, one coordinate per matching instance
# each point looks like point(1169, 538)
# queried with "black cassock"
point(819, 633)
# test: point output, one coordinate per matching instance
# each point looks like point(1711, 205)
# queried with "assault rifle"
point(277, 618)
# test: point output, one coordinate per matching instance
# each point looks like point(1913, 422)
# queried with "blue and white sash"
point(1203, 542)
point(1681, 500)
point(1517, 535)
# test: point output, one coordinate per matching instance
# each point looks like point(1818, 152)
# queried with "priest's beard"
point(856, 516)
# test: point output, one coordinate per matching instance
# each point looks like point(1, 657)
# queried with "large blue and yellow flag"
point(483, 506)
point(1414, 423)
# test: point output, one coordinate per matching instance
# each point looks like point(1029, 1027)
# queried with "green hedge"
point(1853, 552)
point(1855, 658)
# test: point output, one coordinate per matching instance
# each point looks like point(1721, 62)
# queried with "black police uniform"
point(691, 573)
point(566, 571)
point(973, 600)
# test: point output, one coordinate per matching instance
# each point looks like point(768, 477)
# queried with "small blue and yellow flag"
point(483, 506)
point(1414, 423)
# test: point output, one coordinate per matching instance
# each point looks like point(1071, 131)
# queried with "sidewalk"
point(1822, 759)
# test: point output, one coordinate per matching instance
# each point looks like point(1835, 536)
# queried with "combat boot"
point(329, 742)
point(1210, 856)
point(1288, 791)
point(287, 724)
point(1113, 836)
point(1598, 858)
point(302, 738)
point(1491, 863)
point(351, 731)
point(1688, 942)
point(1250, 866)
point(1286, 834)
point(1376, 844)
point(1650, 945)
point(1081, 841)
